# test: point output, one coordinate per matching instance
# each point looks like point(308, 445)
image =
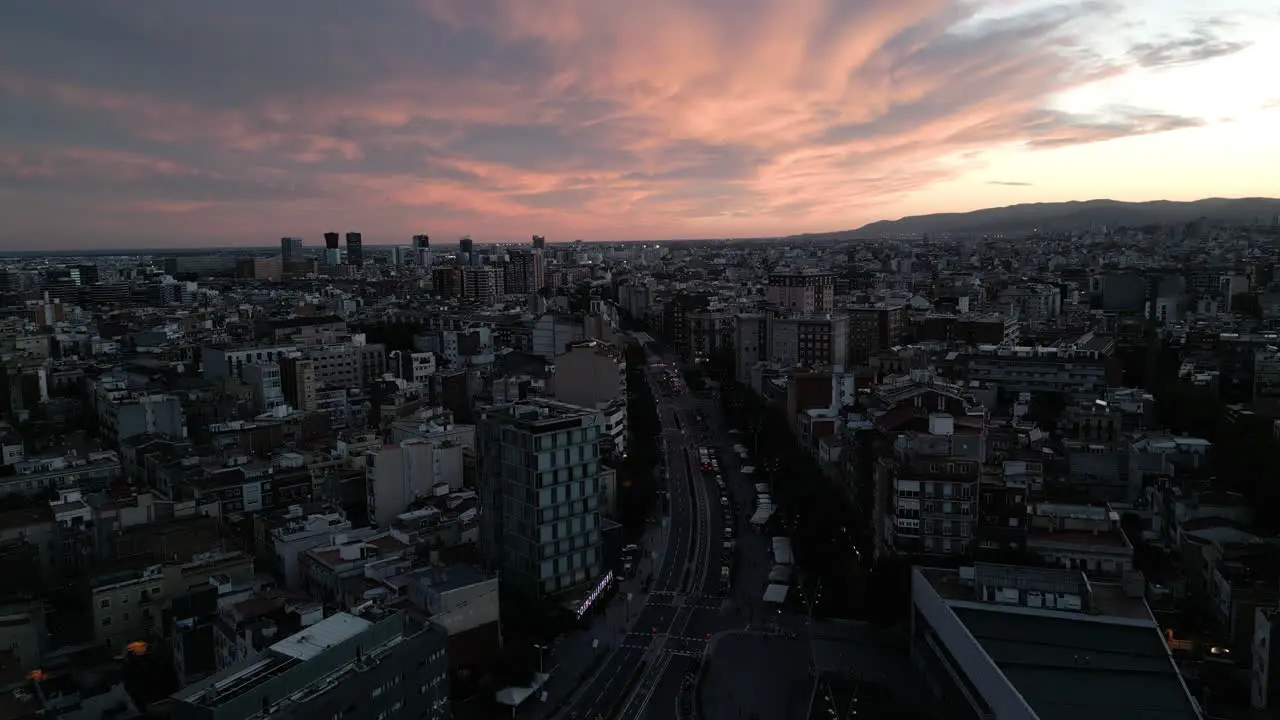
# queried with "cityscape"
point(592, 360)
point(921, 477)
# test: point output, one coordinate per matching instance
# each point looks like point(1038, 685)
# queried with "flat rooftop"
point(1108, 599)
point(1069, 667)
point(1104, 540)
point(315, 639)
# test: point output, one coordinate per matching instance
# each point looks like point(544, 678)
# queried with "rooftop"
point(536, 413)
point(321, 636)
point(1068, 668)
point(1106, 660)
point(301, 663)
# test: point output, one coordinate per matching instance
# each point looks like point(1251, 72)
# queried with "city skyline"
point(240, 124)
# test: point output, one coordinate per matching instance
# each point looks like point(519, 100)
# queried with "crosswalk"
point(676, 599)
point(670, 644)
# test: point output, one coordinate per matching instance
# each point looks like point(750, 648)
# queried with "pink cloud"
point(727, 116)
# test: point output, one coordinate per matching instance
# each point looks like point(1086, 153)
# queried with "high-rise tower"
point(421, 250)
point(290, 249)
point(355, 248)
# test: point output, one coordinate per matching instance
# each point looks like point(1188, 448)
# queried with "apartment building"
point(37, 475)
point(372, 666)
point(482, 284)
point(593, 374)
point(398, 474)
point(929, 489)
point(808, 339)
point(1033, 302)
point(1087, 366)
point(540, 493)
point(1084, 537)
point(352, 365)
point(970, 329)
point(298, 382)
point(750, 344)
point(710, 331)
point(873, 328)
point(524, 272)
point(801, 291)
point(264, 382)
point(415, 367)
point(304, 331)
point(219, 362)
point(124, 413)
point(299, 534)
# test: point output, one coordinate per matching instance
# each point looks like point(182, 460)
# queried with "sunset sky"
point(234, 122)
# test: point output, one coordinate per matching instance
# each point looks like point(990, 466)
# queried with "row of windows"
point(560, 547)
point(143, 595)
point(390, 683)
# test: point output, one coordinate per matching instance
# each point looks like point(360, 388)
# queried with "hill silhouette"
point(1068, 216)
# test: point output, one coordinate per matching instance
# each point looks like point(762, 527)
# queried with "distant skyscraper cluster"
point(417, 253)
point(332, 251)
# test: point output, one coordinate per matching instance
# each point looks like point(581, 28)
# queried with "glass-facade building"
point(541, 494)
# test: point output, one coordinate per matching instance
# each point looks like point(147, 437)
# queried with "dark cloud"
point(1056, 129)
point(1204, 45)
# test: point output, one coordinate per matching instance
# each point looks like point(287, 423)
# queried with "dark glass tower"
point(355, 248)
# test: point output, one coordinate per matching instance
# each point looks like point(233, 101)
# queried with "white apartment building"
point(397, 474)
point(300, 534)
point(124, 413)
point(263, 380)
point(416, 367)
point(227, 362)
point(552, 331)
point(1085, 366)
point(346, 365)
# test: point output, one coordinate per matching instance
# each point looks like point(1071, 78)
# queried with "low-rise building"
point(345, 666)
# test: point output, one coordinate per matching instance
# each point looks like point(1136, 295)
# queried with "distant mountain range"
point(1050, 217)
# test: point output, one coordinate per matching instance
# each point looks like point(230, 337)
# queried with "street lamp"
point(541, 649)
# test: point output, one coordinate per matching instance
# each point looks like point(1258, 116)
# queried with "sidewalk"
point(573, 659)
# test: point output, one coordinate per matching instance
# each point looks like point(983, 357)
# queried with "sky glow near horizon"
point(237, 122)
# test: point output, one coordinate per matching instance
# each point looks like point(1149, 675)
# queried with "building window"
point(106, 622)
point(104, 603)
